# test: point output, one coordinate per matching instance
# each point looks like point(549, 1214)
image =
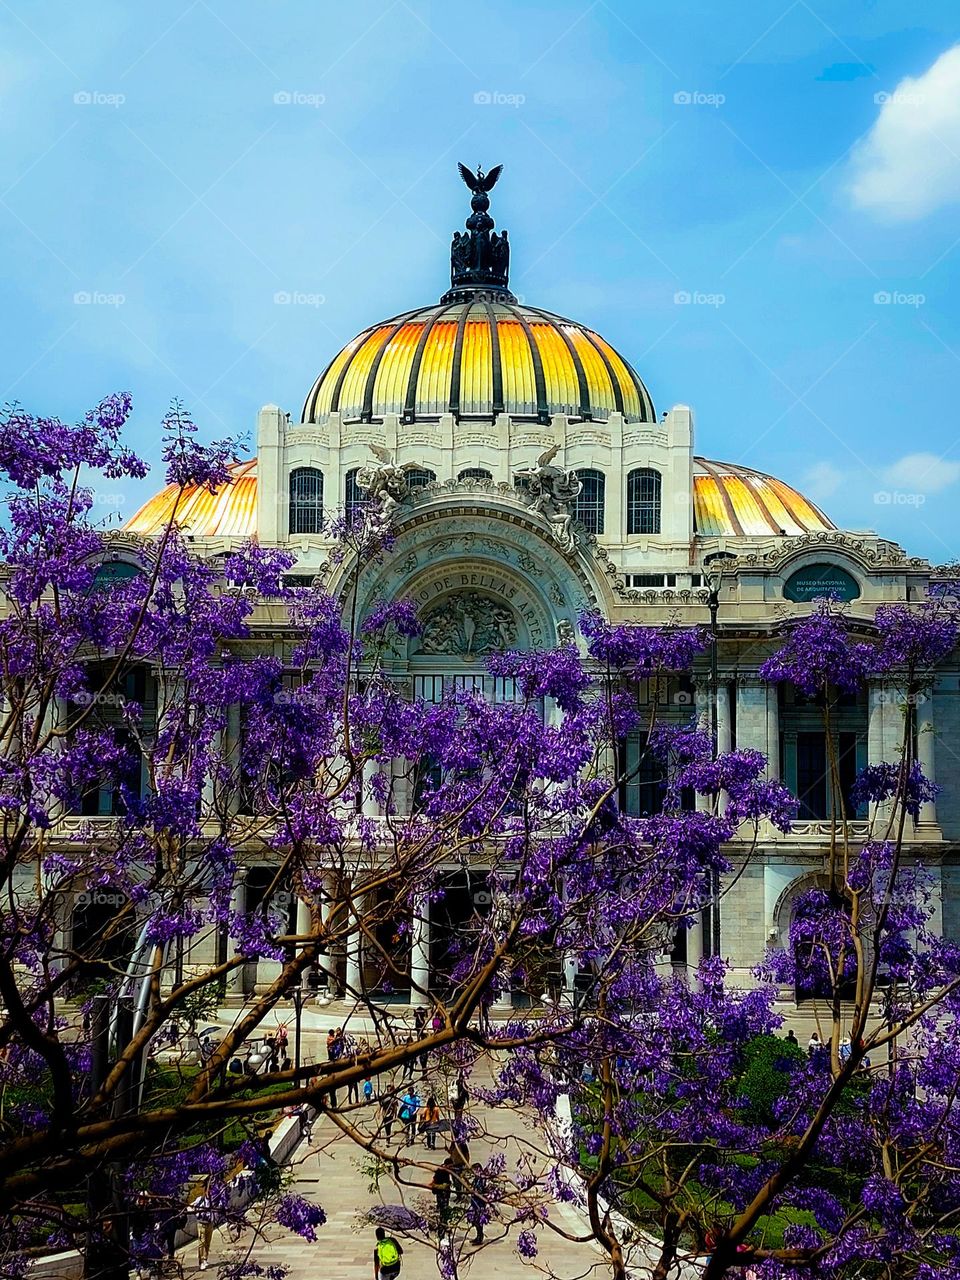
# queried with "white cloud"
point(908, 165)
point(822, 481)
point(922, 473)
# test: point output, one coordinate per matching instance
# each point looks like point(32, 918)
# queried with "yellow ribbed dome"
point(476, 358)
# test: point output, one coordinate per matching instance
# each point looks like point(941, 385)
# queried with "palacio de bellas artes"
point(491, 812)
point(528, 477)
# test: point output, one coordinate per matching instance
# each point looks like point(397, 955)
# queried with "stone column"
point(216, 754)
point(354, 948)
point(773, 731)
point(878, 712)
point(570, 971)
point(758, 720)
point(695, 942)
point(724, 729)
point(420, 951)
point(926, 746)
point(505, 999)
point(724, 739)
point(304, 926)
point(232, 752)
point(236, 984)
point(372, 807)
point(328, 962)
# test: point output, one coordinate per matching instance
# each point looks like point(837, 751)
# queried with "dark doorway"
point(103, 948)
point(455, 922)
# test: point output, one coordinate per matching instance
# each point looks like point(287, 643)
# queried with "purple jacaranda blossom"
point(401, 615)
point(820, 653)
point(198, 719)
point(640, 651)
point(878, 782)
point(299, 1215)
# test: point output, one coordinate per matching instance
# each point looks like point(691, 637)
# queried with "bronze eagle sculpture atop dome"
point(480, 181)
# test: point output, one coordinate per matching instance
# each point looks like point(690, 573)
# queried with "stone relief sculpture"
point(466, 624)
point(553, 492)
point(565, 632)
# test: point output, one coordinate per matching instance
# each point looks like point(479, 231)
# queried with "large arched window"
point(589, 509)
point(306, 500)
point(419, 477)
point(643, 501)
point(474, 473)
point(352, 493)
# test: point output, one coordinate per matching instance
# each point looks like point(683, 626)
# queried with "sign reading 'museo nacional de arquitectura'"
point(532, 477)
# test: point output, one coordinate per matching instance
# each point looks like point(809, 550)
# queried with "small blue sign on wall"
point(817, 580)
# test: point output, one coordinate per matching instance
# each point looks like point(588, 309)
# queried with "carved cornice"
point(870, 553)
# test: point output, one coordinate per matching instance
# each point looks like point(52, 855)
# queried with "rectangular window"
point(641, 790)
point(847, 768)
point(812, 788)
point(470, 684)
point(428, 688)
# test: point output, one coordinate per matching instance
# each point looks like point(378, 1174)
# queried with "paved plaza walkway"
point(330, 1173)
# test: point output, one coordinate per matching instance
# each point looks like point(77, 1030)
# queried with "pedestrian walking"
point(388, 1112)
point(419, 1020)
point(305, 1118)
point(478, 1214)
point(410, 1063)
point(368, 1090)
point(409, 1107)
point(207, 1218)
point(431, 1123)
point(459, 1097)
point(282, 1037)
point(458, 1156)
point(387, 1254)
point(791, 1038)
point(331, 1044)
point(440, 1186)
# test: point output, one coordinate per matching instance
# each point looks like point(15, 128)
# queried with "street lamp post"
point(713, 604)
point(714, 576)
point(297, 997)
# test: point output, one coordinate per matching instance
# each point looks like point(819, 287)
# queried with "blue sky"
point(788, 166)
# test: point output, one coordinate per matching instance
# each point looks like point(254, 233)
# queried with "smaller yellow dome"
point(733, 501)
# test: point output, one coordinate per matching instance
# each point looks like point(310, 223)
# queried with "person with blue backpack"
point(387, 1253)
point(409, 1109)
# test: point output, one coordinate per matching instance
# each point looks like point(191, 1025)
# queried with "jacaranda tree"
point(167, 691)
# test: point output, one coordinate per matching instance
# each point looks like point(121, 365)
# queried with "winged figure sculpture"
point(480, 181)
point(385, 485)
point(553, 491)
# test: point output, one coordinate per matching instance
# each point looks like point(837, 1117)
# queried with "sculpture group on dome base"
point(554, 492)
